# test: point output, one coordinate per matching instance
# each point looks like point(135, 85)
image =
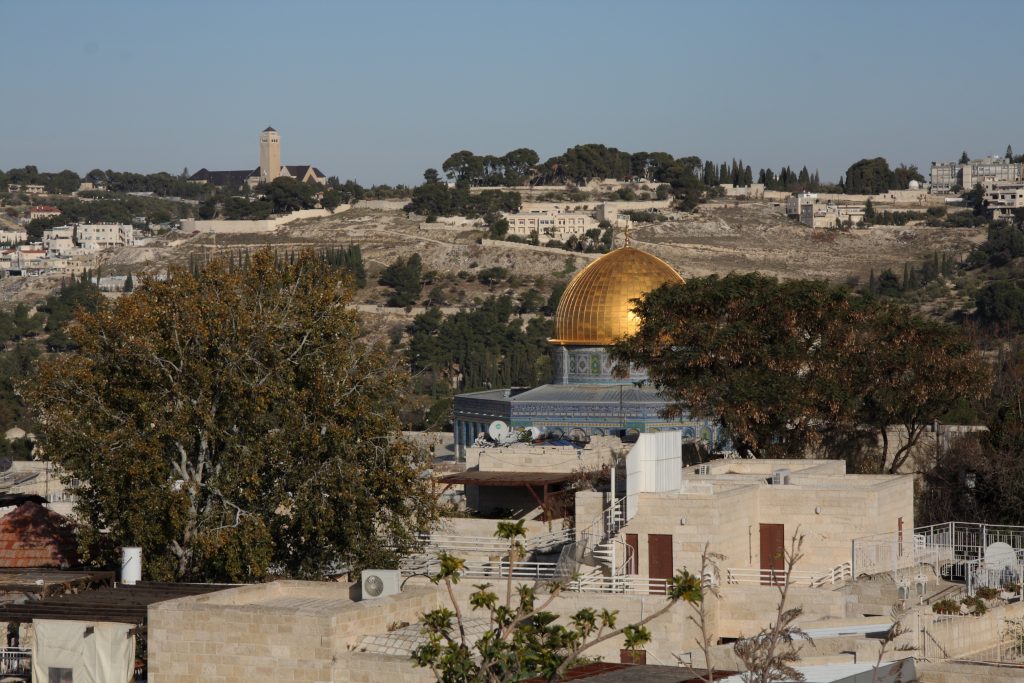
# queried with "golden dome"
point(595, 309)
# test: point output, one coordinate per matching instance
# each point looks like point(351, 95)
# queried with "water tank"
point(131, 566)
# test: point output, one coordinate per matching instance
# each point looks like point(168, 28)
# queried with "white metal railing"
point(499, 569)
point(776, 577)
point(492, 545)
point(635, 585)
point(938, 545)
point(15, 661)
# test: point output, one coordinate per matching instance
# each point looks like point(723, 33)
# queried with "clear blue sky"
point(379, 91)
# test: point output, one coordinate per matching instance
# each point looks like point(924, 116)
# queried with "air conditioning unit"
point(380, 583)
point(780, 477)
point(703, 470)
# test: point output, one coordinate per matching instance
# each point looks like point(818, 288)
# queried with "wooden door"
point(659, 556)
point(773, 554)
point(633, 541)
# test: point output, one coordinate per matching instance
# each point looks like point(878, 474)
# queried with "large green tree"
point(789, 366)
point(232, 421)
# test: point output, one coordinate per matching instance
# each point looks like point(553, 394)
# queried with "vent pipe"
point(131, 565)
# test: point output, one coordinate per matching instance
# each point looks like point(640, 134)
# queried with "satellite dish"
point(535, 433)
point(498, 431)
point(6, 464)
point(578, 435)
point(1000, 556)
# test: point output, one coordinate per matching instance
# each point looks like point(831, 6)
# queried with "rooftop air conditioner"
point(780, 477)
point(380, 583)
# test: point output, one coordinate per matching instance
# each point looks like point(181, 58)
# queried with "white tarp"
point(91, 652)
point(653, 465)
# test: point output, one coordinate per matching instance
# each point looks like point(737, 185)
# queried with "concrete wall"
point(745, 610)
point(727, 511)
point(227, 227)
point(284, 631)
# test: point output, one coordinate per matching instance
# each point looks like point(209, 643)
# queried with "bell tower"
point(270, 155)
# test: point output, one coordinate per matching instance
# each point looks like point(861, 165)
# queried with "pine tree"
point(906, 276)
point(1009, 152)
point(129, 284)
point(748, 176)
point(964, 159)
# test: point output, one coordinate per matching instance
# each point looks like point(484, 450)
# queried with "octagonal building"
point(595, 310)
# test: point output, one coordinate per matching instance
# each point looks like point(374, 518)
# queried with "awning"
point(541, 480)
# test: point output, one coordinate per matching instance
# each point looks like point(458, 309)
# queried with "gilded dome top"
point(595, 309)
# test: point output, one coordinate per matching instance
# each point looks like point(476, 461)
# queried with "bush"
point(987, 593)
point(946, 606)
point(976, 605)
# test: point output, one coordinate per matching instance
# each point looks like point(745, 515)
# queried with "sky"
point(379, 91)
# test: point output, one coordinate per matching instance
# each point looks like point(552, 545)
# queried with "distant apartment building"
point(103, 235)
point(1004, 198)
point(26, 188)
point(795, 202)
point(12, 236)
point(59, 241)
point(831, 215)
point(986, 172)
point(43, 211)
point(549, 225)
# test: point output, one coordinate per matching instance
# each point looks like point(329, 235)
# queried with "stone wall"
point(226, 227)
point(286, 630)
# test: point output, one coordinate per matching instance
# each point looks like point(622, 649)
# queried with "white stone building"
point(549, 225)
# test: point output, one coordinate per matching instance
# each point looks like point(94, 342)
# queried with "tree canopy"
point(234, 421)
point(796, 365)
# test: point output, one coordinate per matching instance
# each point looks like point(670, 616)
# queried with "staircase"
point(599, 546)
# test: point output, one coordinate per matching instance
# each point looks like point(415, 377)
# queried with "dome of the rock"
point(596, 307)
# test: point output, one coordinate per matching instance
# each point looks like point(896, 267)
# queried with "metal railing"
point(492, 545)
point(776, 577)
point(499, 569)
point(953, 544)
point(634, 585)
point(15, 661)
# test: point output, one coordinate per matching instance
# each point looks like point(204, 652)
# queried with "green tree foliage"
point(1000, 304)
point(73, 298)
point(582, 163)
point(789, 366)
point(1004, 242)
point(238, 208)
point(964, 159)
point(514, 168)
point(476, 349)
point(524, 640)
point(290, 194)
point(405, 277)
point(979, 477)
point(870, 176)
point(231, 422)
point(434, 198)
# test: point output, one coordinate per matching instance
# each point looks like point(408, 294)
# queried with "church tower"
point(270, 155)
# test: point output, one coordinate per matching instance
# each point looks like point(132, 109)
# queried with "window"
point(59, 675)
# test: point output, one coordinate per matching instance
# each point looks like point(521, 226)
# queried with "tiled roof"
point(32, 536)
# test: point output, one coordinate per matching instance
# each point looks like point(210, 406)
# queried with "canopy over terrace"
point(544, 487)
point(120, 603)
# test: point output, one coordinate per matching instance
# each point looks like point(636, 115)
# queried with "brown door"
point(659, 556)
point(773, 554)
point(633, 541)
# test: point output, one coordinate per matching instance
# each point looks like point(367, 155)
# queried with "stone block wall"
point(287, 631)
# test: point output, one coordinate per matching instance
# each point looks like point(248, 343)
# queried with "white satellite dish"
point(1000, 556)
point(535, 433)
point(498, 431)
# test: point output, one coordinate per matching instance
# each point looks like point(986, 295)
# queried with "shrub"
point(946, 606)
point(975, 604)
point(987, 593)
